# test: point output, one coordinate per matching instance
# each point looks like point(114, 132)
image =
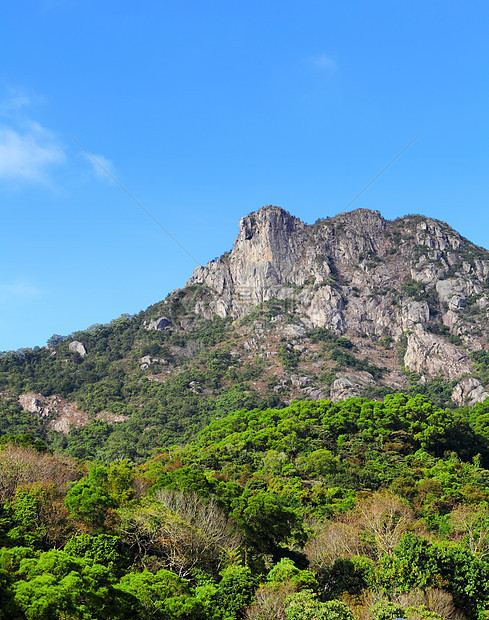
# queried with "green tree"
point(58, 586)
point(287, 572)
point(306, 606)
point(264, 518)
point(101, 549)
point(89, 499)
point(163, 596)
point(235, 589)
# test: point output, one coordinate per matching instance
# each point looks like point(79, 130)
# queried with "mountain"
point(414, 282)
point(353, 305)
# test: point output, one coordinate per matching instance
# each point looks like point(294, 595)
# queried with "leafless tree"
point(386, 518)
point(26, 466)
point(433, 599)
point(181, 530)
point(334, 540)
point(471, 524)
point(269, 603)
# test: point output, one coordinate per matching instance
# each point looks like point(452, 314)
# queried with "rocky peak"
point(269, 225)
point(409, 280)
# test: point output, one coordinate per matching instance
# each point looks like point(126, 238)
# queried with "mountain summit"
point(413, 281)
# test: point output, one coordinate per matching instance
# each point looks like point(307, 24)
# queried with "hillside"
point(356, 510)
point(353, 305)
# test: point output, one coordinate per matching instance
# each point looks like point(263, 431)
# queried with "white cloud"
point(324, 63)
point(30, 154)
point(15, 102)
point(101, 165)
point(28, 151)
point(20, 290)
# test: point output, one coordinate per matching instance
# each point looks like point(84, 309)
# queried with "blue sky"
point(206, 111)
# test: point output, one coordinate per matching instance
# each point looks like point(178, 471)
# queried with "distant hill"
point(353, 305)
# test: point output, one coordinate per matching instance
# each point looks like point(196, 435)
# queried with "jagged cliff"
point(413, 281)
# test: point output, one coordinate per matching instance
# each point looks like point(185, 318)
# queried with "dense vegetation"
point(200, 384)
point(197, 372)
point(215, 500)
point(351, 510)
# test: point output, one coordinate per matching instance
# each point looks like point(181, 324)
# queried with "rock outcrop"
point(77, 347)
point(60, 414)
point(414, 281)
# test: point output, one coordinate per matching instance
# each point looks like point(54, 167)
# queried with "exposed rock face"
point(469, 392)
point(349, 384)
point(411, 280)
point(427, 353)
point(160, 323)
point(61, 415)
point(77, 347)
point(147, 360)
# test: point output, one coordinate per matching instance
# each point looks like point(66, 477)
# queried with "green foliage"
point(318, 463)
point(414, 289)
point(18, 427)
point(418, 564)
point(26, 440)
point(306, 606)
point(287, 572)
point(236, 589)
point(101, 549)
point(481, 363)
point(437, 390)
point(351, 575)
point(162, 595)
point(57, 586)
point(268, 310)
point(264, 518)
point(386, 610)
point(8, 608)
point(443, 330)
point(120, 481)
point(289, 358)
point(321, 334)
point(159, 539)
point(26, 507)
point(345, 358)
point(89, 499)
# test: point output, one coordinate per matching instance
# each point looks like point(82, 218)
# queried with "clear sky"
point(206, 111)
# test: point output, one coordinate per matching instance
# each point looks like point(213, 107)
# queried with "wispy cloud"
point(20, 290)
point(29, 154)
point(15, 102)
point(101, 166)
point(323, 62)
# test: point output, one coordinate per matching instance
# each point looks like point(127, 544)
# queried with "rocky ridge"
point(413, 281)
point(353, 305)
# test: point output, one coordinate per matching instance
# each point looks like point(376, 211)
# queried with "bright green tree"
point(89, 499)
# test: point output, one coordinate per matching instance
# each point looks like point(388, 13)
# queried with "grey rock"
point(349, 384)
point(469, 392)
point(431, 354)
point(78, 347)
point(160, 323)
point(146, 361)
point(346, 274)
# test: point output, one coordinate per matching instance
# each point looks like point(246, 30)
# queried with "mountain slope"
point(413, 281)
point(353, 305)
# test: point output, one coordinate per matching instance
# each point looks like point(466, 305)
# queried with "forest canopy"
point(357, 509)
